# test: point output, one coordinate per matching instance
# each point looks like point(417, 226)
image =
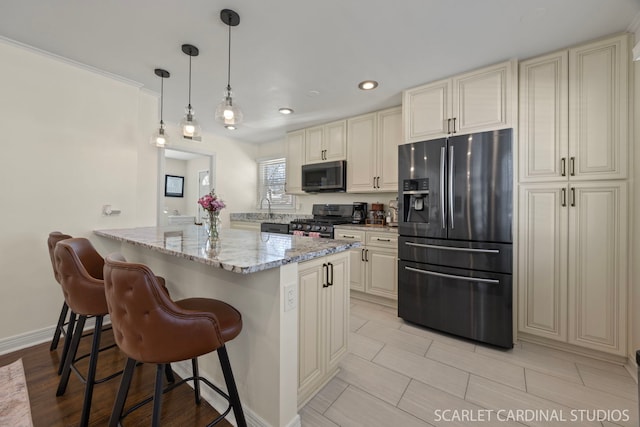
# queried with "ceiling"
point(305, 54)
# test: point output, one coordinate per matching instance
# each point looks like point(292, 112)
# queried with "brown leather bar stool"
point(54, 238)
point(149, 327)
point(80, 268)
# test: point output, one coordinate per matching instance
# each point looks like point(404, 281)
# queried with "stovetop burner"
point(324, 218)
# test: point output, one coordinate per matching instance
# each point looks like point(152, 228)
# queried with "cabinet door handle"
point(362, 256)
point(563, 166)
point(330, 281)
point(325, 275)
point(454, 125)
point(448, 125)
point(572, 166)
point(573, 197)
point(374, 182)
point(564, 197)
point(366, 255)
point(378, 182)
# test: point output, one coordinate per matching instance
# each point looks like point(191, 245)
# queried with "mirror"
point(198, 170)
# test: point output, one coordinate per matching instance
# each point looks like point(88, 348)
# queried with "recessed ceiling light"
point(285, 111)
point(368, 84)
point(230, 127)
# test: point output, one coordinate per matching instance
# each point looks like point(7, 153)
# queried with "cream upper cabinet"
point(295, 159)
point(476, 101)
point(598, 109)
point(323, 315)
point(574, 113)
point(572, 270)
point(372, 151)
point(326, 143)
point(544, 111)
point(598, 266)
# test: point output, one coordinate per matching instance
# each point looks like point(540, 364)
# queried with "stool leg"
point(71, 354)
point(169, 373)
point(91, 375)
point(123, 391)
point(157, 397)
point(231, 386)
point(61, 320)
point(67, 340)
point(196, 379)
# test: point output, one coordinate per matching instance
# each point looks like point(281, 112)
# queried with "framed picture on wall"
point(173, 186)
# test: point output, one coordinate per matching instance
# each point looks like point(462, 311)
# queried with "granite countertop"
point(363, 227)
point(238, 251)
point(278, 218)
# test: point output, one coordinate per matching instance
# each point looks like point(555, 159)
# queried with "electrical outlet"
point(290, 297)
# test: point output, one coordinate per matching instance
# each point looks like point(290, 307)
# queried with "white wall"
point(74, 140)
point(178, 168)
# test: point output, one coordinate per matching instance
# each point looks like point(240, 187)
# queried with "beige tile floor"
point(400, 375)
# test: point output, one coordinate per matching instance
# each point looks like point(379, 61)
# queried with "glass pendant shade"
point(189, 125)
point(160, 138)
point(228, 113)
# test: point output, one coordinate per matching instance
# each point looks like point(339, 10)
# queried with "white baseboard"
point(29, 339)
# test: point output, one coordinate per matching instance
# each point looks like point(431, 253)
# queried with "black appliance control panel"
point(421, 185)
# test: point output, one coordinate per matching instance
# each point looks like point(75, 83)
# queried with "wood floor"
point(40, 365)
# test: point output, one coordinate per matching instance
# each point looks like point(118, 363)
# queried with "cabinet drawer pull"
point(452, 248)
point(573, 197)
point(346, 236)
point(453, 276)
point(382, 240)
point(325, 275)
point(563, 166)
point(572, 166)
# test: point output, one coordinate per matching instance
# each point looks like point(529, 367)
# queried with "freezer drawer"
point(494, 257)
point(470, 304)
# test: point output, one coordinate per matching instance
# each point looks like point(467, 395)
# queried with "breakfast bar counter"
point(258, 274)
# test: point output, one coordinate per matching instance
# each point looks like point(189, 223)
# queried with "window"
point(271, 184)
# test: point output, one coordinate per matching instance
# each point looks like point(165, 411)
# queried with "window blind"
point(272, 175)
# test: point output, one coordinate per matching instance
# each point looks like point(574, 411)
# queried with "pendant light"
point(161, 138)
point(227, 112)
point(189, 125)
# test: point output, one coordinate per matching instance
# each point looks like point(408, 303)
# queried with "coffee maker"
point(359, 213)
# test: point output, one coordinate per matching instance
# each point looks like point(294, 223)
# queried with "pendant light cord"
point(190, 81)
point(229, 63)
point(161, 98)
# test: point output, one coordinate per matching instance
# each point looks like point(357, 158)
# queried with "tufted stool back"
point(80, 268)
point(147, 325)
point(54, 238)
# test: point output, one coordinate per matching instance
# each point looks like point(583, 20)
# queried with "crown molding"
point(71, 62)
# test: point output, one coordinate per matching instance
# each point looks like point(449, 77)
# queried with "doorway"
point(198, 170)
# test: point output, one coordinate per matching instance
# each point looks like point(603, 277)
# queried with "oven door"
point(467, 303)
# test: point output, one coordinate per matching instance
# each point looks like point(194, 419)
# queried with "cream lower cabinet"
point(572, 271)
point(323, 321)
point(374, 266)
point(245, 225)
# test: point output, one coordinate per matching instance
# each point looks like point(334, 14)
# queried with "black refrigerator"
point(455, 226)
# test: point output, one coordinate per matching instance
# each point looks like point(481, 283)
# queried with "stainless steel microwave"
point(325, 177)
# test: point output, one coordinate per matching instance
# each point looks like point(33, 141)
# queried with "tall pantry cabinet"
point(573, 201)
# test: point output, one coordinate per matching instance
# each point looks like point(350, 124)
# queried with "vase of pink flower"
point(212, 206)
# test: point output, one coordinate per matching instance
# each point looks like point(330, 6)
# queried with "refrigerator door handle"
point(451, 199)
point(453, 276)
point(452, 248)
point(442, 164)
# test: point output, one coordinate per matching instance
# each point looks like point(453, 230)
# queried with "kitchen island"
point(258, 273)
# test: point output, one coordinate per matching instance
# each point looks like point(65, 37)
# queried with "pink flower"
point(211, 203)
